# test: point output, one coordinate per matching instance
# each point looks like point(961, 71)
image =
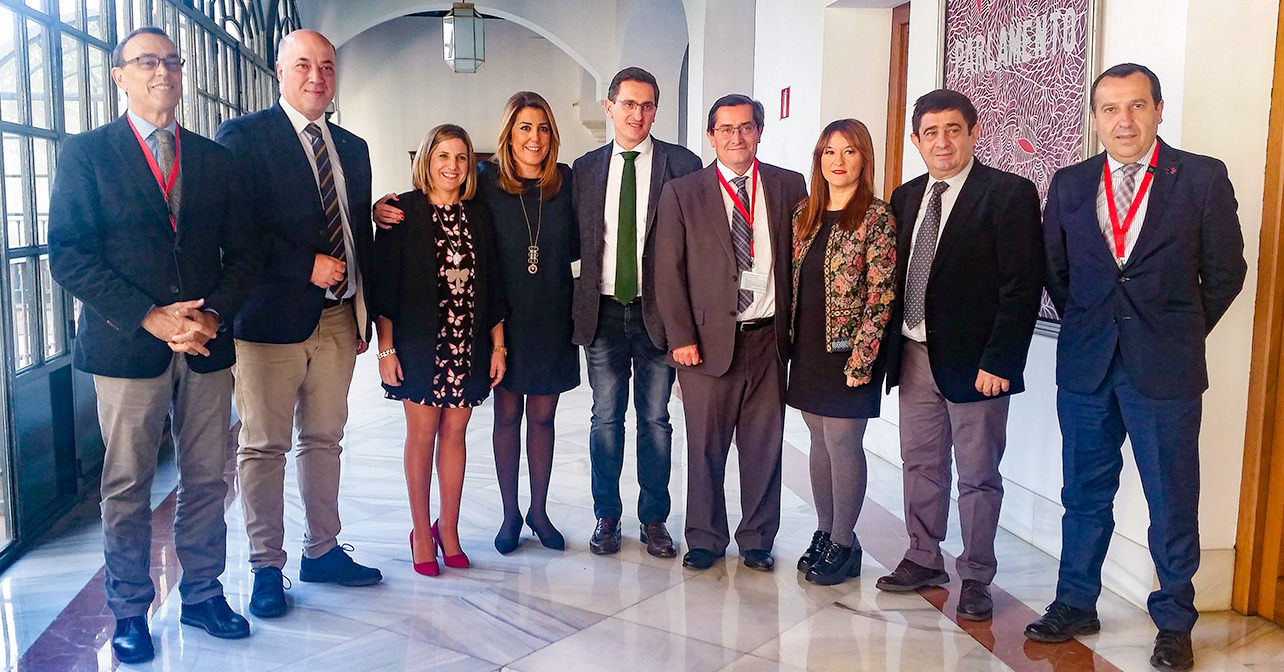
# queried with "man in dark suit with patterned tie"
point(969, 275)
point(723, 249)
point(1144, 255)
point(145, 228)
point(617, 192)
point(307, 185)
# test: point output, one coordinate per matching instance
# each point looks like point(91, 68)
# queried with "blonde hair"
point(550, 180)
point(420, 173)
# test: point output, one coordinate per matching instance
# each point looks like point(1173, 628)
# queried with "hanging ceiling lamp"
point(464, 38)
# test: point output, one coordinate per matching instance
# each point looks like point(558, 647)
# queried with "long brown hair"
point(818, 200)
point(550, 180)
point(420, 172)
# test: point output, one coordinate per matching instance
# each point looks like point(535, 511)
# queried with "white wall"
point(858, 43)
point(394, 85)
point(790, 53)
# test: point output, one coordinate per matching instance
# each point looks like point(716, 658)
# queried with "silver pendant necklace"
point(532, 252)
point(456, 256)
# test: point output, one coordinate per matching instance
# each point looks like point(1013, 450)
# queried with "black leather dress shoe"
point(606, 537)
point(758, 559)
point(132, 643)
point(267, 600)
point(657, 540)
point(699, 558)
point(336, 566)
point(910, 576)
point(819, 542)
point(1173, 651)
point(837, 564)
point(216, 617)
point(975, 603)
point(1062, 622)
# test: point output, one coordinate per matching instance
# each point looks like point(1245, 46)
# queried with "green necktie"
point(626, 257)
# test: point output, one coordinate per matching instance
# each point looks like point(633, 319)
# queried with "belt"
point(335, 303)
point(752, 325)
point(611, 297)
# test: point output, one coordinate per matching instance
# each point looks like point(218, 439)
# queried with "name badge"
point(754, 282)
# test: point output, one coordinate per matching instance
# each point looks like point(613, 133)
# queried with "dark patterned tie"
point(742, 239)
point(329, 203)
point(626, 250)
point(921, 258)
point(165, 149)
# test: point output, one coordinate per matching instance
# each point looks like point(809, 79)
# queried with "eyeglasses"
point(149, 62)
point(633, 106)
point(747, 128)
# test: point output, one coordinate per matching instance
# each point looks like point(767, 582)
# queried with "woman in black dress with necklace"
point(439, 308)
point(529, 194)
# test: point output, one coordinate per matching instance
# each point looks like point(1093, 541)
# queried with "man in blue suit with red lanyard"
point(1144, 255)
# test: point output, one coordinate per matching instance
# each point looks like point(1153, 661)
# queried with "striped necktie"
point(742, 239)
point(329, 203)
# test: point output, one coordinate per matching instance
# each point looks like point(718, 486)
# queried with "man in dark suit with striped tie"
point(307, 185)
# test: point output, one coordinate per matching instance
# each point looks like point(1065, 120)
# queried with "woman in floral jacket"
point(844, 265)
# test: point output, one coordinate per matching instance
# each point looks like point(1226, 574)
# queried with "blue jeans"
point(620, 349)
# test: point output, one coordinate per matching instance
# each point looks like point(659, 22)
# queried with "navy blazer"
point(589, 200)
point(1185, 269)
point(283, 201)
point(111, 245)
point(985, 284)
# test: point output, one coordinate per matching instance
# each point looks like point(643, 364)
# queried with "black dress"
point(817, 383)
point(541, 357)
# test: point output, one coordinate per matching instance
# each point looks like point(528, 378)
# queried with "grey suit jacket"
point(696, 274)
point(668, 161)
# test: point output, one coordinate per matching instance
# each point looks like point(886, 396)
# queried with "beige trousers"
point(279, 387)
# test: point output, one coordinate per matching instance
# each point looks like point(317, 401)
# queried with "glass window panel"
point(42, 154)
point(15, 208)
point(38, 67)
point(37, 4)
point(55, 308)
point(73, 95)
point(96, 19)
point(100, 86)
point(10, 94)
point(22, 280)
point(69, 12)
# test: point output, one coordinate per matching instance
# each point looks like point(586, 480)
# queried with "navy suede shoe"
point(336, 566)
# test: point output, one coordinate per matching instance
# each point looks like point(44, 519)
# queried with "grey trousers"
point(838, 474)
point(930, 425)
point(131, 413)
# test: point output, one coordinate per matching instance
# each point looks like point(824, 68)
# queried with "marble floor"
point(539, 609)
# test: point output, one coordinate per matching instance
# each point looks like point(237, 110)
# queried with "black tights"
point(540, 410)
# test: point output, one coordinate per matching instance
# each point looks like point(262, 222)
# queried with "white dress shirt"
point(301, 122)
point(764, 303)
point(948, 199)
point(1103, 208)
point(610, 243)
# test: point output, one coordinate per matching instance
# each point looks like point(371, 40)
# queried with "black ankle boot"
point(837, 564)
point(819, 542)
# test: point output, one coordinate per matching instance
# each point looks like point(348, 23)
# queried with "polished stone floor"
point(539, 609)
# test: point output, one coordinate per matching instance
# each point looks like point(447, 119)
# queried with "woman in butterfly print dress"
point(439, 308)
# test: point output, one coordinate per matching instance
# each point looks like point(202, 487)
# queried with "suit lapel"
point(1161, 186)
point(974, 188)
point(293, 154)
point(599, 166)
point(777, 209)
point(348, 162)
point(190, 175)
point(659, 164)
point(137, 171)
point(905, 240)
point(715, 211)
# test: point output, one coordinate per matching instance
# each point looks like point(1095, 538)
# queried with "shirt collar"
point(643, 148)
point(297, 119)
point(1145, 157)
point(729, 174)
point(146, 128)
point(955, 182)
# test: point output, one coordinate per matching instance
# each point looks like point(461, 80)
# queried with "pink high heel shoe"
point(454, 561)
point(430, 568)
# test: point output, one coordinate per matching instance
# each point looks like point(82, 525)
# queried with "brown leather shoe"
point(606, 537)
point(975, 603)
point(657, 540)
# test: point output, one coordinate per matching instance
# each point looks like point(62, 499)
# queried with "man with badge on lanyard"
point(146, 229)
point(723, 250)
point(1144, 255)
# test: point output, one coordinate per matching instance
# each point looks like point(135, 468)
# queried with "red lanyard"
point(166, 187)
point(1120, 229)
point(753, 201)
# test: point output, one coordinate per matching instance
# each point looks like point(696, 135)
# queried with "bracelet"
point(500, 350)
point(385, 353)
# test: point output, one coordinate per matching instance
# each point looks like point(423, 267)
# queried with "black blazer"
point(112, 247)
point(984, 288)
point(282, 200)
point(589, 200)
point(403, 284)
point(1185, 270)
point(696, 275)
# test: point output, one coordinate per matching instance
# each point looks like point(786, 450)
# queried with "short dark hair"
point(118, 54)
point(1126, 70)
point(632, 74)
point(736, 100)
point(941, 100)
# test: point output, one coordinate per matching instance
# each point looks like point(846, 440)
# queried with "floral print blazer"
point(860, 276)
